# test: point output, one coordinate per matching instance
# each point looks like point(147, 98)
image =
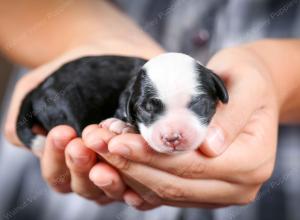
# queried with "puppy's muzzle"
point(172, 140)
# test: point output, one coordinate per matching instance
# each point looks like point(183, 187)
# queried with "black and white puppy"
point(170, 99)
point(171, 102)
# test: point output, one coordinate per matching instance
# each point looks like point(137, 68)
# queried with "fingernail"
point(103, 183)
point(215, 140)
point(132, 202)
point(120, 150)
point(80, 160)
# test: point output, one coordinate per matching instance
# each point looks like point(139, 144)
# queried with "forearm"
point(35, 32)
point(282, 59)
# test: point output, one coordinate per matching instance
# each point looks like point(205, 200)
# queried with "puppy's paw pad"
point(117, 126)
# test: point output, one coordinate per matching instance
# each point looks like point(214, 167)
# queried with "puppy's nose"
point(172, 140)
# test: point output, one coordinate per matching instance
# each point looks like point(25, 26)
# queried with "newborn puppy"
point(81, 92)
point(171, 102)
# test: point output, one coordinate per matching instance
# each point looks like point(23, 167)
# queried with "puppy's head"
point(173, 100)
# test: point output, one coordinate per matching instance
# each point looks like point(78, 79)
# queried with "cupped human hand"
point(65, 162)
point(236, 158)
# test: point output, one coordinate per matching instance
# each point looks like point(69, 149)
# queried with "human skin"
point(263, 84)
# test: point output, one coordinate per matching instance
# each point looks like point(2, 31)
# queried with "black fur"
point(212, 89)
point(140, 101)
point(79, 93)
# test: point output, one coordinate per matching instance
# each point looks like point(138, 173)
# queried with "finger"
point(53, 165)
point(80, 160)
point(141, 192)
point(97, 138)
point(190, 164)
point(126, 145)
point(231, 118)
point(88, 129)
point(196, 204)
point(108, 180)
point(104, 200)
point(173, 188)
point(227, 167)
point(133, 199)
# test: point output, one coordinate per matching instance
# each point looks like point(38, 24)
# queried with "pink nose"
point(172, 140)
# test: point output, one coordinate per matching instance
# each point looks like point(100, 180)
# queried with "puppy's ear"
point(216, 82)
point(125, 111)
point(132, 94)
point(220, 87)
point(129, 109)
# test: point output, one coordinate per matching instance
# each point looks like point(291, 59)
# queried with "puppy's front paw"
point(117, 126)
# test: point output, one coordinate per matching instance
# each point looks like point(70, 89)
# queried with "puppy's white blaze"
point(174, 75)
point(37, 144)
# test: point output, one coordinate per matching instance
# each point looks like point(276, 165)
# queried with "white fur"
point(146, 132)
point(173, 75)
point(38, 141)
point(37, 145)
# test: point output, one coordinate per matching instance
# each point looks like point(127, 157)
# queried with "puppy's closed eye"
point(153, 105)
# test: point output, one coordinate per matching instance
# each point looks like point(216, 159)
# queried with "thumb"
point(231, 118)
